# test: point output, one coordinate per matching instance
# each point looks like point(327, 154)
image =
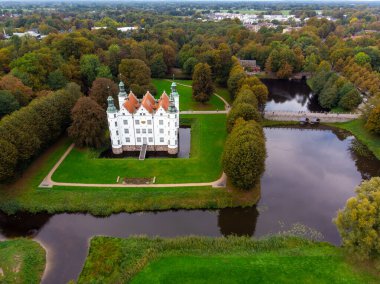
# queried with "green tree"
point(136, 75)
point(350, 100)
point(189, 65)
point(362, 58)
point(242, 110)
point(89, 65)
point(56, 80)
point(158, 66)
point(261, 92)
point(359, 222)
point(246, 95)
point(89, 124)
point(244, 154)
point(237, 75)
point(8, 103)
point(203, 87)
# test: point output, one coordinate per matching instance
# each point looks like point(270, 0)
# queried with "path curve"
point(49, 183)
point(227, 106)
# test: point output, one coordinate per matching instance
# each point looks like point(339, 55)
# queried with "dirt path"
point(49, 183)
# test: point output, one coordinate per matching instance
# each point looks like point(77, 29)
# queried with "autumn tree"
point(22, 93)
point(244, 154)
point(101, 89)
point(358, 223)
point(203, 86)
point(373, 121)
point(89, 124)
point(242, 110)
point(136, 75)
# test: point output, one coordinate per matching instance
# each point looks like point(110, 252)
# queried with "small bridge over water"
point(296, 116)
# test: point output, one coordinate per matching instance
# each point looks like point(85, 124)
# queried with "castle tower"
point(173, 115)
point(114, 127)
point(122, 94)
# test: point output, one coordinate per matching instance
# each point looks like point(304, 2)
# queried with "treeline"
point(334, 90)
point(244, 152)
point(25, 132)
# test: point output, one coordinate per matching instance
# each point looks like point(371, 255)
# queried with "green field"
point(21, 261)
point(208, 133)
point(186, 101)
point(219, 260)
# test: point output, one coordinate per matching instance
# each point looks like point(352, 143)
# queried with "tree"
point(89, 124)
point(246, 95)
point(134, 72)
point(261, 92)
point(158, 66)
point(237, 75)
point(189, 65)
point(89, 65)
point(328, 98)
point(358, 223)
point(8, 159)
point(362, 58)
point(242, 110)
point(8, 103)
point(56, 80)
point(244, 154)
point(101, 89)
point(203, 87)
point(350, 100)
point(22, 93)
point(373, 122)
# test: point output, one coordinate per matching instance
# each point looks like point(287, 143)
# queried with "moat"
point(310, 173)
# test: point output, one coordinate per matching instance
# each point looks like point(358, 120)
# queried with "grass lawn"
point(356, 127)
point(21, 261)
point(24, 195)
point(218, 260)
point(208, 133)
point(186, 101)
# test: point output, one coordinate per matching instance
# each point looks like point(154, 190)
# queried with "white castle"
point(147, 124)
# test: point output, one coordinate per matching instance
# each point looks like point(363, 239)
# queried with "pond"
point(310, 173)
point(291, 95)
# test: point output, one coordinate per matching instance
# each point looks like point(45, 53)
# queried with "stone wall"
point(296, 116)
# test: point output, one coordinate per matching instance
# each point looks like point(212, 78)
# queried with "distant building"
point(250, 66)
point(150, 122)
point(122, 29)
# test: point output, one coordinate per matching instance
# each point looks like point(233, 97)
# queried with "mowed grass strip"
point(21, 261)
point(208, 134)
point(186, 101)
point(218, 260)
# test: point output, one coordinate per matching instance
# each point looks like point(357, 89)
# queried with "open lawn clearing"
point(218, 260)
point(186, 101)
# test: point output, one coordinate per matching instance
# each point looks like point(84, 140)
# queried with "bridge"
point(296, 116)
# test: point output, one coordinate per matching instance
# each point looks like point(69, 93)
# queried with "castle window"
point(150, 139)
point(127, 140)
point(168, 132)
point(126, 131)
point(137, 122)
point(117, 132)
point(176, 124)
point(161, 130)
point(138, 131)
point(114, 115)
point(161, 122)
point(115, 123)
point(149, 130)
point(144, 131)
point(138, 139)
point(118, 142)
point(149, 122)
point(162, 139)
point(126, 122)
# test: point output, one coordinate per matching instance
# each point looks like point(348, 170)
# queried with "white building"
point(146, 123)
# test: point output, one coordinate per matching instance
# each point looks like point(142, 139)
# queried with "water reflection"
point(238, 221)
point(288, 95)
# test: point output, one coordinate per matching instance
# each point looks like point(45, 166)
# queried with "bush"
point(359, 222)
point(244, 154)
point(242, 110)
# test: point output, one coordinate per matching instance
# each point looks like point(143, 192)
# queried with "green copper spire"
point(122, 92)
point(111, 106)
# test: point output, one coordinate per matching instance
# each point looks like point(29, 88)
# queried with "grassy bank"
point(208, 133)
point(218, 260)
point(186, 101)
point(356, 127)
point(21, 261)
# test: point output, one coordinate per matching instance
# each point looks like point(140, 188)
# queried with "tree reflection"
point(238, 221)
point(22, 224)
point(365, 161)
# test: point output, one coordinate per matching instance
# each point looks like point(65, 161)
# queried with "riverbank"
point(21, 261)
point(202, 259)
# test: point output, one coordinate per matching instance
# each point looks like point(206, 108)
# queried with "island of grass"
point(208, 134)
point(186, 101)
point(219, 260)
point(21, 261)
